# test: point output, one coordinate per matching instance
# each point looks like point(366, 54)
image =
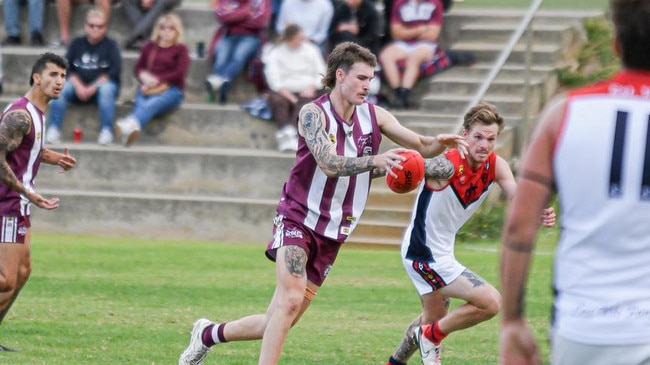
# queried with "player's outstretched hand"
point(454, 141)
point(390, 159)
point(517, 345)
point(43, 203)
point(548, 217)
point(66, 162)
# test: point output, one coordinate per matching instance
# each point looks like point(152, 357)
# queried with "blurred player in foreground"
point(22, 128)
point(444, 203)
point(323, 199)
point(593, 149)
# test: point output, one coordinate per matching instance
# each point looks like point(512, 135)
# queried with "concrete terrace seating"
point(210, 171)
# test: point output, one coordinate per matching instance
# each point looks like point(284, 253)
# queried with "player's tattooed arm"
point(14, 126)
point(439, 168)
point(311, 124)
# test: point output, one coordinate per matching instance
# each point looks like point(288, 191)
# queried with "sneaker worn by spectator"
point(213, 84)
point(105, 137)
point(36, 39)
point(12, 40)
point(129, 130)
point(53, 135)
point(287, 139)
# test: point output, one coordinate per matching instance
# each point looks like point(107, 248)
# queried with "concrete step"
point(548, 54)
point(488, 31)
point(507, 104)
point(220, 126)
point(186, 171)
point(447, 84)
point(158, 216)
point(196, 125)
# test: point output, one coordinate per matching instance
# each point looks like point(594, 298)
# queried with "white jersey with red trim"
point(438, 214)
point(601, 165)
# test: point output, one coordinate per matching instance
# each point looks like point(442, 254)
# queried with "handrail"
point(503, 56)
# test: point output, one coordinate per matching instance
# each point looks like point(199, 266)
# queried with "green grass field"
point(94, 300)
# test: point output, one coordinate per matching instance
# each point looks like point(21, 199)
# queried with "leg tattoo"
point(408, 346)
point(473, 278)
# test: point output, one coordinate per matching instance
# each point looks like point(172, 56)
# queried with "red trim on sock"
point(438, 335)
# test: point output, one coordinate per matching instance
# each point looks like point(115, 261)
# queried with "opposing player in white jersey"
point(443, 204)
point(323, 199)
point(592, 148)
point(21, 153)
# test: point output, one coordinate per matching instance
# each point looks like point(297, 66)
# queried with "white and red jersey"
point(24, 161)
point(601, 164)
point(332, 206)
point(438, 214)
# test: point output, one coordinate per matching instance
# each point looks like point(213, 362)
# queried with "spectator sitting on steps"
point(12, 21)
point(415, 27)
point(161, 70)
point(93, 77)
point(293, 71)
point(235, 42)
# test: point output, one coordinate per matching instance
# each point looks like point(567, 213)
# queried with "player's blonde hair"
point(176, 22)
point(484, 113)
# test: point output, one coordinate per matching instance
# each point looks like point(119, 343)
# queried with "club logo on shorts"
point(22, 231)
point(293, 233)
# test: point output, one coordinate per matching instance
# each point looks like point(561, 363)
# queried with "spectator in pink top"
point(415, 26)
point(161, 70)
point(236, 41)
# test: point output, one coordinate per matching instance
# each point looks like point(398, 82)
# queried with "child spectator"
point(161, 70)
point(313, 16)
point(238, 38)
point(143, 14)
point(95, 64)
point(293, 69)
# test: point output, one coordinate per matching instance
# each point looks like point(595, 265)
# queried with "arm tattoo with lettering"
point(312, 124)
point(13, 127)
point(439, 168)
point(296, 260)
point(473, 278)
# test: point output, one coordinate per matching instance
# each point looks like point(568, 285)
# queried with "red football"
point(410, 176)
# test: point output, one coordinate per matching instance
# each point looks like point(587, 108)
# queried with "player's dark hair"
point(632, 31)
point(343, 56)
point(484, 113)
point(42, 62)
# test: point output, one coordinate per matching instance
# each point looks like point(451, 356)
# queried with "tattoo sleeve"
point(296, 260)
point(13, 127)
point(438, 167)
point(319, 143)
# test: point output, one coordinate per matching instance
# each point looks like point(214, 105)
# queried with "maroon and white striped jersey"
point(332, 206)
point(24, 161)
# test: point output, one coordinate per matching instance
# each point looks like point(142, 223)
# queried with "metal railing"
point(524, 26)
